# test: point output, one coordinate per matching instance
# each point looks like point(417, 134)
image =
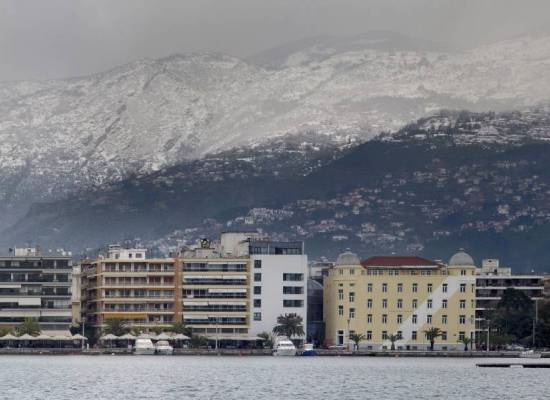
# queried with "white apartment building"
point(278, 277)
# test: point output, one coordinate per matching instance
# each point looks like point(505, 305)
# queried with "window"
point(461, 319)
point(428, 319)
point(384, 303)
point(444, 319)
point(461, 335)
point(293, 277)
point(399, 319)
point(445, 287)
point(415, 287)
point(352, 312)
point(414, 303)
point(463, 272)
point(257, 290)
point(444, 304)
point(369, 318)
point(341, 271)
point(399, 287)
point(462, 288)
point(400, 334)
point(352, 271)
point(257, 302)
point(414, 319)
point(351, 297)
point(369, 303)
point(430, 303)
point(399, 303)
point(257, 316)
point(257, 277)
point(369, 335)
point(430, 287)
point(384, 318)
point(369, 287)
point(384, 287)
point(340, 294)
point(462, 303)
point(293, 289)
point(341, 311)
point(293, 303)
point(384, 335)
point(257, 264)
point(444, 335)
point(413, 335)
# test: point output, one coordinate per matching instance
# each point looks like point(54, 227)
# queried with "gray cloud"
point(60, 38)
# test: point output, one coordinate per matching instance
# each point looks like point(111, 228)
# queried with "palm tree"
point(180, 327)
point(432, 334)
point(466, 342)
point(394, 338)
point(29, 327)
point(116, 326)
point(267, 339)
point(4, 330)
point(289, 325)
point(357, 338)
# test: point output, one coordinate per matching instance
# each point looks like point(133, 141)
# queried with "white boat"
point(163, 347)
point(530, 354)
point(144, 347)
point(283, 347)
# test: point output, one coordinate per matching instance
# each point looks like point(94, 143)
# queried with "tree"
point(466, 341)
point(199, 341)
point(157, 330)
point(394, 338)
point(180, 327)
point(289, 325)
point(116, 326)
point(432, 334)
point(513, 316)
point(267, 339)
point(4, 330)
point(29, 327)
point(357, 338)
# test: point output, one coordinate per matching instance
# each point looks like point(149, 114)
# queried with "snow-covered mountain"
point(58, 136)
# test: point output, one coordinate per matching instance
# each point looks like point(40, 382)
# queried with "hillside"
point(429, 189)
point(63, 136)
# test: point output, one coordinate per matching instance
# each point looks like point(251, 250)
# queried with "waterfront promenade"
point(267, 352)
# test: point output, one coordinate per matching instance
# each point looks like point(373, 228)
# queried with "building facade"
point(226, 293)
point(37, 286)
point(402, 296)
point(126, 285)
point(491, 282)
point(279, 283)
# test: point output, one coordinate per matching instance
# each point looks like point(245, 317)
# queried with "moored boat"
point(144, 347)
point(162, 347)
point(309, 351)
point(530, 354)
point(283, 346)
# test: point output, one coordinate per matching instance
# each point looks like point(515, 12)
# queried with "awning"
point(236, 338)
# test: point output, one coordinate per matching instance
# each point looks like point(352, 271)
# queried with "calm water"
point(151, 377)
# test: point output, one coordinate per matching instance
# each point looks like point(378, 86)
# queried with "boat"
point(162, 347)
point(308, 351)
point(283, 347)
point(530, 354)
point(144, 347)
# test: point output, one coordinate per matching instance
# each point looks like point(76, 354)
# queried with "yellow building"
point(126, 285)
point(402, 296)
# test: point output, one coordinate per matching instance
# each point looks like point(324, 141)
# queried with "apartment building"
point(38, 286)
point(492, 280)
point(401, 296)
point(229, 291)
point(216, 294)
point(279, 284)
point(125, 284)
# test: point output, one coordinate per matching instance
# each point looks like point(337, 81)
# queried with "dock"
point(516, 365)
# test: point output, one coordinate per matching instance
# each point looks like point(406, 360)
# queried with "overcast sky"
point(41, 39)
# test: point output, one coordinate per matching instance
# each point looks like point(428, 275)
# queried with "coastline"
point(267, 352)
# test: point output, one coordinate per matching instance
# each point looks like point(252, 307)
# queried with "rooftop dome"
point(461, 259)
point(347, 258)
